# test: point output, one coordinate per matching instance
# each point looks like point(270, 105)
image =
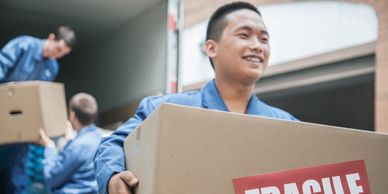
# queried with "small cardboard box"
point(29, 105)
point(186, 150)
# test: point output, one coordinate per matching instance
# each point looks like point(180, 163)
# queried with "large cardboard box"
point(185, 150)
point(27, 106)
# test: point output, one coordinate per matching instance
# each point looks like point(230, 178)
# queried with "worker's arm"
point(9, 55)
point(109, 160)
point(60, 166)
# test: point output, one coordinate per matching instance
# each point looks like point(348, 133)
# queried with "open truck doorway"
point(122, 52)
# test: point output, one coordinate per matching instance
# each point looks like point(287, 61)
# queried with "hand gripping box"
point(186, 150)
point(29, 105)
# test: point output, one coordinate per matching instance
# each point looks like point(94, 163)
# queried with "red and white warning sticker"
point(340, 178)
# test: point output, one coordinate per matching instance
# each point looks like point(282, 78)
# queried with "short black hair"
point(85, 108)
point(66, 34)
point(218, 22)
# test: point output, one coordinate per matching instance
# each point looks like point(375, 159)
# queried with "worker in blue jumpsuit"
point(237, 43)
point(71, 170)
point(21, 59)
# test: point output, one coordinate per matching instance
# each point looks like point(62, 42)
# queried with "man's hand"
point(44, 140)
point(122, 183)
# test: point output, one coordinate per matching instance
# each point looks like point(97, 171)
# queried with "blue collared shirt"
point(21, 59)
point(109, 158)
point(71, 170)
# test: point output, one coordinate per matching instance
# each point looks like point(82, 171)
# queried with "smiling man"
point(238, 47)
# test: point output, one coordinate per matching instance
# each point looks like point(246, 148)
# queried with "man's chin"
point(251, 79)
point(255, 75)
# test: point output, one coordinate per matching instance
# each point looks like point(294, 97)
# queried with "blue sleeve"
point(281, 114)
point(293, 118)
point(51, 70)
point(288, 116)
point(8, 57)
point(109, 158)
point(60, 166)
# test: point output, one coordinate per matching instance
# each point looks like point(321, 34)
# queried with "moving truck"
point(125, 49)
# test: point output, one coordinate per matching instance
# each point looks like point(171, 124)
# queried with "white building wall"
point(297, 30)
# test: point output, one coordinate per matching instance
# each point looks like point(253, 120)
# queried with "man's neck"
point(78, 127)
point(44, 49)
point(235, 95)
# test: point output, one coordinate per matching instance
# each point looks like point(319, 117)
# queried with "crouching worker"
point(71, 170)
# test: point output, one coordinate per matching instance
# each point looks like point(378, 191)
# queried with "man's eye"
point(243, 35)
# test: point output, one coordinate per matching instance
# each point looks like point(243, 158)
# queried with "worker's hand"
point(44, 140)
point(122, 183)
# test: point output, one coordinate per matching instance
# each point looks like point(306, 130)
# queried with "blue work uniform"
point(21, 59)
point(71, 170)
point(109, 158)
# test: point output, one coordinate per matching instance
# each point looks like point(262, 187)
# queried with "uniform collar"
point(87, 129)
point(39, 51)
point(212, 100)
point(257, 107)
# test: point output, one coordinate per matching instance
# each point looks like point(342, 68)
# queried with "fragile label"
point(340, 178)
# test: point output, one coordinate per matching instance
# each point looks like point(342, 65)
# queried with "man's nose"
point(256, 45)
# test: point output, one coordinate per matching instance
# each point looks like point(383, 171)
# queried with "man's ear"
point(51, 36)
point(211, 48)
point(72, 115)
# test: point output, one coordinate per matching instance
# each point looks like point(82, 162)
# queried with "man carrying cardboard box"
point(237, 43)
point(71, 170)
point(21, 59)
